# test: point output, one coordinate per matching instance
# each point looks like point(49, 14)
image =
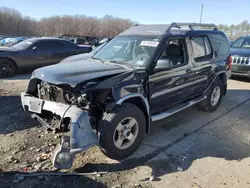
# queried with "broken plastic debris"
point(179, 169)
point(183, 158)
point(152, 178)
point(20, 178)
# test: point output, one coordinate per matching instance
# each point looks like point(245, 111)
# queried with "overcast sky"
point(142, 11)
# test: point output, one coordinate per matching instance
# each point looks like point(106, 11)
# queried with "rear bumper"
point(241, 70)
point(81, 135)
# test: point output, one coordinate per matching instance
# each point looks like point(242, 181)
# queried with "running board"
point(177, 108)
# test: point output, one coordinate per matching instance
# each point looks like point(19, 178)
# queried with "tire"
point(208, 105)
point(7, 68)
point(125, 114)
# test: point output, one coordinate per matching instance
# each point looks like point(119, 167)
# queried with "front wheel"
point(214, 97)
point(122, 131)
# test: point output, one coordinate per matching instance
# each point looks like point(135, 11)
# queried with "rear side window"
point(49, 44)
point(201, 48)
point(220, 44)
point(56, 44)
point(80, 41)
point(69, 44)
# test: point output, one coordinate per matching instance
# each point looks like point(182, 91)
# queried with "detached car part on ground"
point(145, 74)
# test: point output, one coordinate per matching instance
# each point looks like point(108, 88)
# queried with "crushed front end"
point(62, 110)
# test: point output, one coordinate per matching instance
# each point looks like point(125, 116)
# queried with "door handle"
point(190, 72)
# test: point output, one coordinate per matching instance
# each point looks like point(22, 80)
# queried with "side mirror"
point(34, 48)
point(164, 64)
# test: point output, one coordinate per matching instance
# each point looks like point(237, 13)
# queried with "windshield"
point(241, 43)
point(23, 45)
point(93, 52)
point(132, 50)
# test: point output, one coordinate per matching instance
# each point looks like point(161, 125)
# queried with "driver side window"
point(120, 49)
point(175, 51)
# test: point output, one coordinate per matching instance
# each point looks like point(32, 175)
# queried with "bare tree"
point(13, 23)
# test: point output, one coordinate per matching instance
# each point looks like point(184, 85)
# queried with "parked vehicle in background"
point(3, 37)
point(84, 40)
point(36, 52)
point(143, 75)
point(240, 50)
point(83, 56)
point(8, 42)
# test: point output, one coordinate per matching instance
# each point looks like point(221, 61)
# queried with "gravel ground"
point(190, 149)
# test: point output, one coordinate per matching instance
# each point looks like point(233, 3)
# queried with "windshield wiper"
point(122, 63)
point(97, 58)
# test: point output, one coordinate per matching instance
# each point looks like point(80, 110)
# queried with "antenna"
point(201, 13)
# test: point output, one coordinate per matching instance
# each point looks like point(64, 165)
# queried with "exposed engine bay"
point(85, 96)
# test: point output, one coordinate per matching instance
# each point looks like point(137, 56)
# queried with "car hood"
point(6, 49)
point(77, 72)
point(76, 58)
point(240, 51)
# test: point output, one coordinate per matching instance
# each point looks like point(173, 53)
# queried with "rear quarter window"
point(69, 44)
point(220, 44)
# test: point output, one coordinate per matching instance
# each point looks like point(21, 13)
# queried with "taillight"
point(229, 62)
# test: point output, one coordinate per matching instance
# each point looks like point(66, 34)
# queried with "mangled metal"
point(80, 137)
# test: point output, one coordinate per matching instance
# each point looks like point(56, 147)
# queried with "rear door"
point(169, 87)
point(203, 62)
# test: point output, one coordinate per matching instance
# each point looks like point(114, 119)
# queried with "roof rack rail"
point(190, 25)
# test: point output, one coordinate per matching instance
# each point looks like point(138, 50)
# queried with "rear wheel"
point(122, 131)
point(214, 97)
point(7, 68)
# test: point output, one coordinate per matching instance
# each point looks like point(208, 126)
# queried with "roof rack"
point(190, 25)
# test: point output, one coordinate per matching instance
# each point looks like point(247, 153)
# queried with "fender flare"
point(145, 102)
point(224, 79)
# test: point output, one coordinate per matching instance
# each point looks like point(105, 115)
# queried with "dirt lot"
point(190, 149)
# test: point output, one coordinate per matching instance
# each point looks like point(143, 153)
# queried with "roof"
point(161, 29)
point(44, 38)
point(146, 30)
point(247, 36)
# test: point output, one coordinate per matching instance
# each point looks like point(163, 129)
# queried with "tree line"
point(13, 23)
point(234, 31)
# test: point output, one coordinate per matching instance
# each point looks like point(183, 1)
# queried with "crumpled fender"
point(81, 138)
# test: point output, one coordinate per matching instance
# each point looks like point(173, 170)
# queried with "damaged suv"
point(145, 74)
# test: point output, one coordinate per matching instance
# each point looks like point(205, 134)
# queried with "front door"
point(41, 53)
point(169, 87)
